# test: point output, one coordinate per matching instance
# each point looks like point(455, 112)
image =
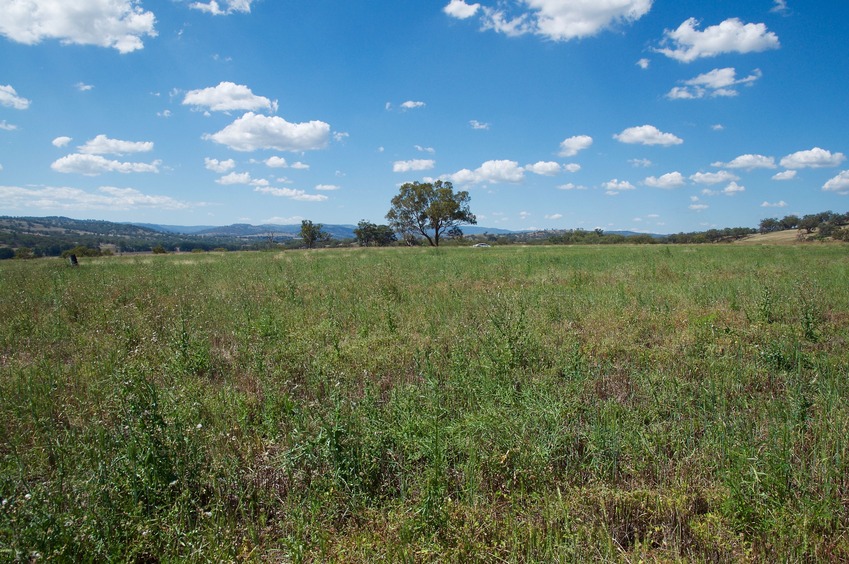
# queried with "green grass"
point(507, 404)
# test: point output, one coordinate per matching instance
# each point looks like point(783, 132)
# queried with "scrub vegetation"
point(510, 404)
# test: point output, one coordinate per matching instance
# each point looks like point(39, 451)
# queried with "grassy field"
point(498, 405)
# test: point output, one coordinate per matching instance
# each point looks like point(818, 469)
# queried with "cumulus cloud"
point(814, 158)
point(5, 126)
point(9, 98)
point(640, 163)
point(714, 177)
point(615, 186)
point(666, 181)
point(219, 166)
point(460, 10)
point(92, 165)
point(544, 168)
point(781, 204)
point(254, 131)
point(291, 193)
point(572, 167)
point(780, 7)
point(61, 141)
point(235, 178)
point(838, 184)
point(786, 175)
point(478, 125)
point(492, 172)
point(748, 162)
point(699, 207)
point(647, 135)
point(83, 87)
point(555, 19)
point(730, 190)
point(103, 145)
point(276, 162)
point(327, 187)
point(643, 63)
point(571, 186)
point(119, 24)
point(106, 198)
point(231, 6)
point(412, 104)
point(687, 43)
point(415, 164)
point(713, 84)
point(554, 216)
point(571, 146)
point(228, 96)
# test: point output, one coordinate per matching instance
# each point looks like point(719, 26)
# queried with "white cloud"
point(786, 175)
point(643, 63)
point(83, 87)
point(235, 178)
point(699, 207)
point(781, 204)
point(640, 163)
point(120, 24)
point(666, 181)
point(572, 167)
point(814, 158)
point(61, 141)
point(615, 186)
point(561, 20)
point(573, 145)
point(748, 162)
point(299, 166)
point(9, 98)
point(415, 164)
point(254, 131)
point(839, 184)
point(277, 220)
point(730, 190)
point(5, 126)
point(493, 172)
point(106, 198)
point(292, 194)
point(478, 125)
point(554, 216)
point(647, 135)
point(731, 36)
point(717, 127)
point(421, 149)
point(780, 7)
point(103, 145)
point(219, 166)
point(714, 177)
point(733, 188)
point(543, 168)
point(460, 10)
point(228, 96)
point(713, 84)
point(276, 162)
point(326, 187)
point(570, 186)
point(92, 165)
point(214, 8)
point(411, 105)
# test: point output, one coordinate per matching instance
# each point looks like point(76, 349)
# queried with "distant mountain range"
point(51, 235)
point(283, 231)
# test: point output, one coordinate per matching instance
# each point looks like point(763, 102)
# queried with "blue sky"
point(647, 115)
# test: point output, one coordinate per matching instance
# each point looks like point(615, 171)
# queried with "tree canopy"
point(429, 209)
point(368, 234)
point(313, 233)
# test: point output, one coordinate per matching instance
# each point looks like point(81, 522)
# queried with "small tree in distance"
point(313, 233)
point(368, 234)
point(429, 209)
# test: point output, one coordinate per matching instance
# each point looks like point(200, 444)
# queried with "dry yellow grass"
point(786, 237)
